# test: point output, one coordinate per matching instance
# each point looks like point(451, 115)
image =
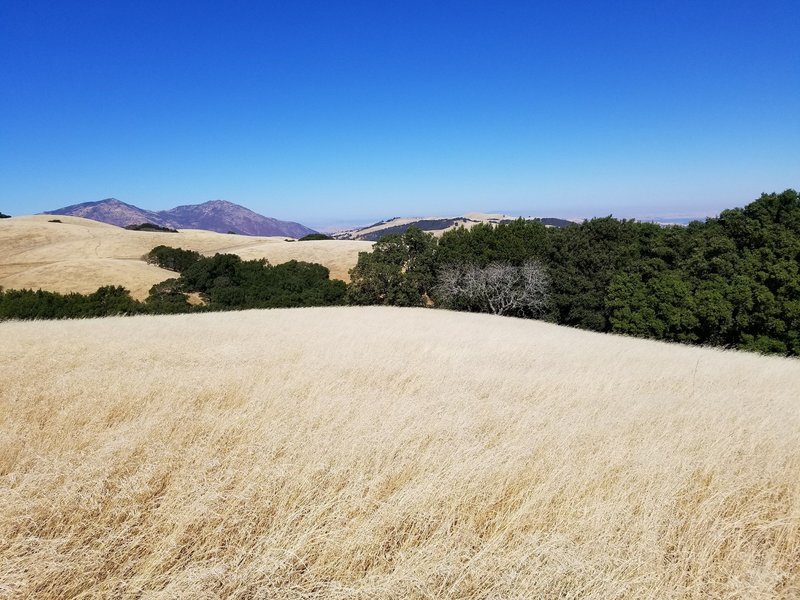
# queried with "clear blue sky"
point(346, 111)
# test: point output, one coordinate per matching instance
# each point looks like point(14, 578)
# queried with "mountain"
point(110, 211)
point(216, 215)
point(435, 225)
point(222, 216)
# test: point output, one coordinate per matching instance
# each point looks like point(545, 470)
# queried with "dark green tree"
point(172, 259)
point(168, 297)
point(512, 243)
point(400, 271)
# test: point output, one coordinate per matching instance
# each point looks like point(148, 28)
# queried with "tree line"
point(731, 281)
point(220, 282)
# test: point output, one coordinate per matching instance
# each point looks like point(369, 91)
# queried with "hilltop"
point(435, 225)
point(390, 453)
point(80, 255)
point(217, 215)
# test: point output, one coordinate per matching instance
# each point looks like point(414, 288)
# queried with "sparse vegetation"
point(54, 221)
point(314, 237)
point(223, 281)
point(89, 255)
point(424, 224)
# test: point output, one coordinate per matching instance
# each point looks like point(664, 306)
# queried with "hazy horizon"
point(345, 113)
point(332, 225)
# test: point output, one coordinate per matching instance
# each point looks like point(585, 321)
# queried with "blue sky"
point(349, 111)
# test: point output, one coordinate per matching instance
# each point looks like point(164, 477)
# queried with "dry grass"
point(390, 453)
point(467, 221)
point(80, 255)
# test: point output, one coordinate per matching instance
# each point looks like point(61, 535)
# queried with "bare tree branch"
point(499, 288)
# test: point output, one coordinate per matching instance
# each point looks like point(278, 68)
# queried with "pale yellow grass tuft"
point(390, 453)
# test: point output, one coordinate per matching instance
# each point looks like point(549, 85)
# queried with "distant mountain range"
point(225, 217)
point(435, 225)
point(216, 215)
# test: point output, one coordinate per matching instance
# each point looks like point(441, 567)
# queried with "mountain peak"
point(104, 201)
point(215, 215)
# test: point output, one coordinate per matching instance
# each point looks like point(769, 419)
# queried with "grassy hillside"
point(390, 453)
point(79, 255)
point(432, 224)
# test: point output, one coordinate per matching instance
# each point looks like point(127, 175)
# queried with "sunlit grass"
point(80, 255)
point(390, 453)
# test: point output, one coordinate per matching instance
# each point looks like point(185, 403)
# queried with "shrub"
point(225, 281)
point(38, 304)
point(150, 227)
point(172, 259)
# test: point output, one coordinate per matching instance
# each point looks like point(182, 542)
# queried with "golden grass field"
point(390, 453)
point(80, 255)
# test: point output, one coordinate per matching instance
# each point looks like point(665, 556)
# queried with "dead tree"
point(498, 288)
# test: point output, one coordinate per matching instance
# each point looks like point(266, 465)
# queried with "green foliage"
point(313, 237)
point(584, 259)
point(167, 297)
point(150, 227)
point(226, 281)
point(172, 259)
point(400, 271)
point(732, 281)
point(29, 304)
point(514, 243)
point(4, 216)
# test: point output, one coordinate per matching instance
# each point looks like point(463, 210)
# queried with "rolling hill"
point(217, 215)
point(435, 225)
point(80, 255)
point(390, 453)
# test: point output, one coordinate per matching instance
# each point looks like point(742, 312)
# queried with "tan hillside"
point(390, 453)
point(468, 221)
point(79, 255)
